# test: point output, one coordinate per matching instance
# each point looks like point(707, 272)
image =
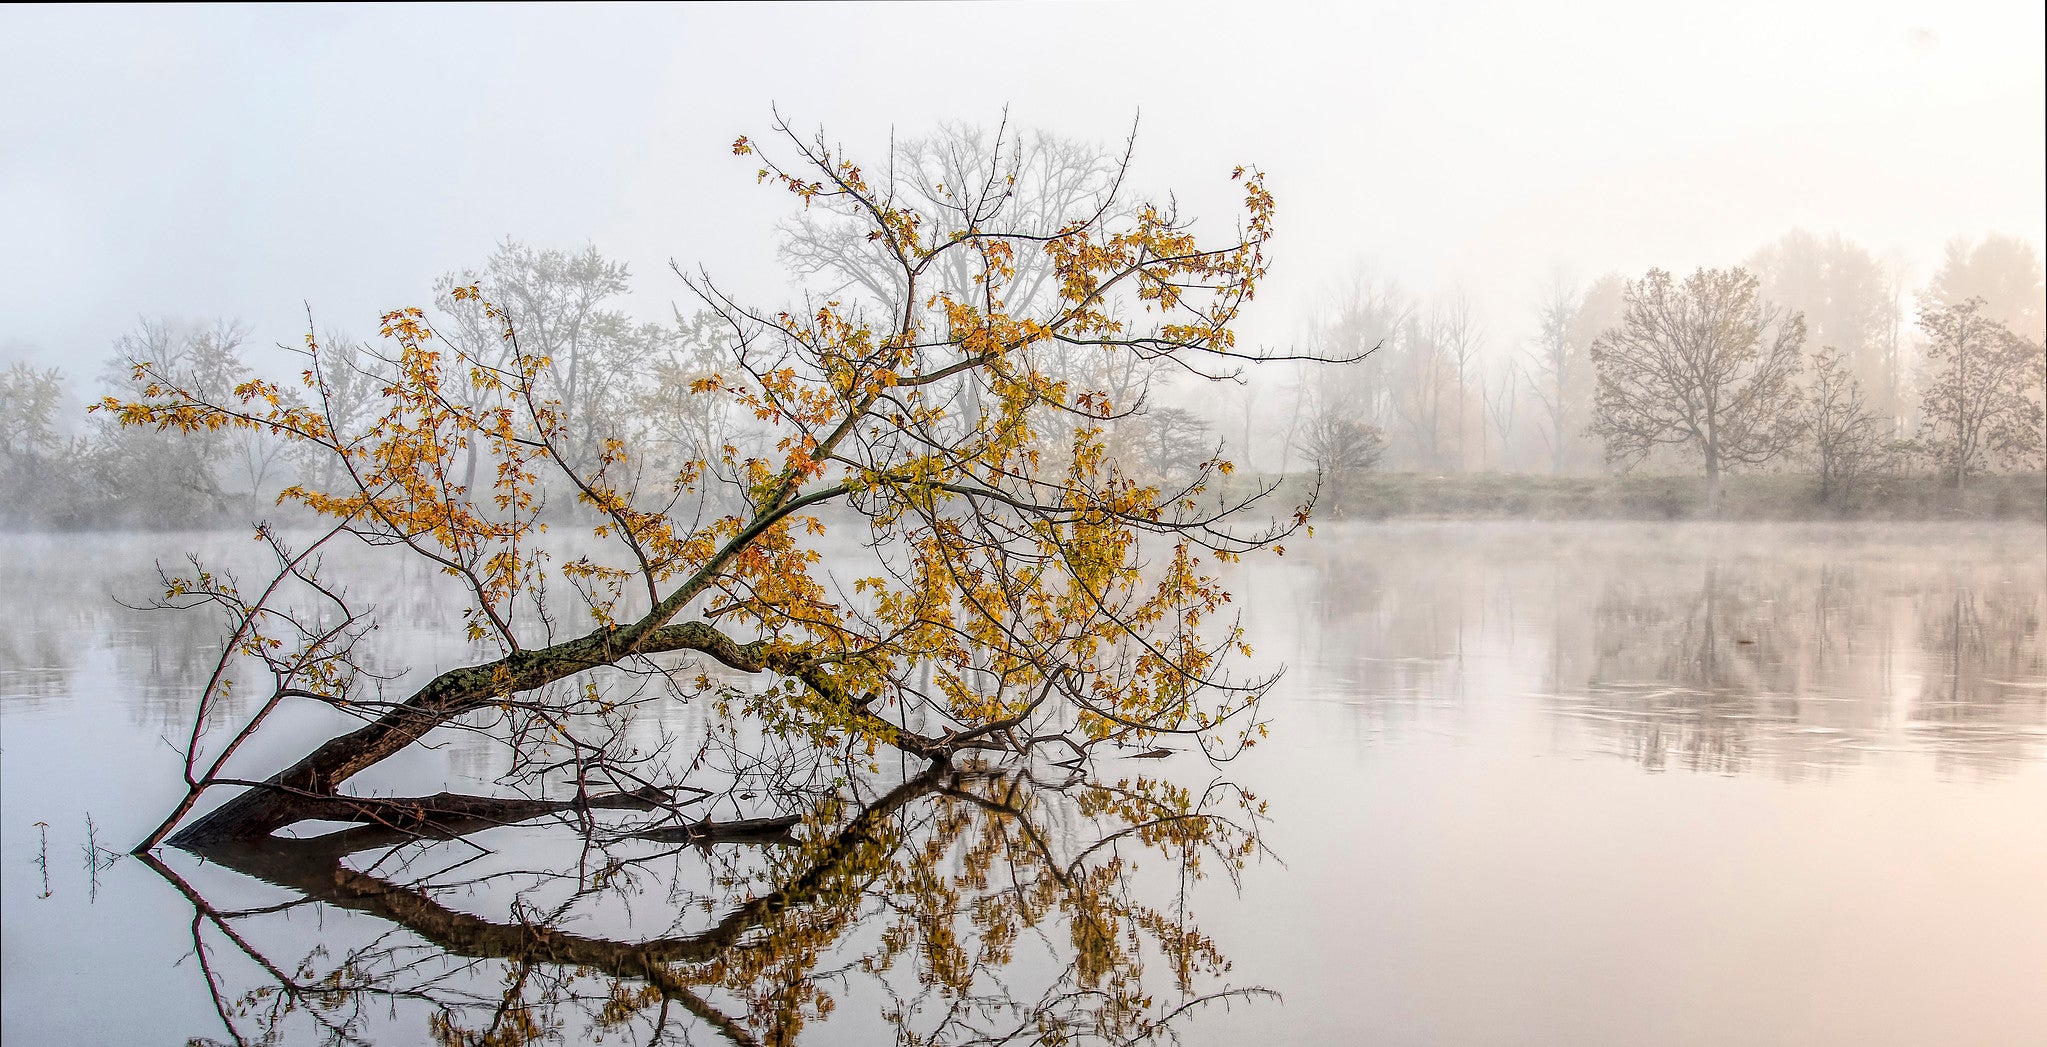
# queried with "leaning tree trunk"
point(306, 788)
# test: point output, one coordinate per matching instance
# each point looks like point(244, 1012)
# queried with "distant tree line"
point(1812, 355)
point(609, 374)
point(623, 388)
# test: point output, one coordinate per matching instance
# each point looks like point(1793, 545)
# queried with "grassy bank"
point(1487, 496)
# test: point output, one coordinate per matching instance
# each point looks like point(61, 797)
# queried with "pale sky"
point(246, 162)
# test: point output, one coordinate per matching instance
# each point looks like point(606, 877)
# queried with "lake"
point(1572, 783)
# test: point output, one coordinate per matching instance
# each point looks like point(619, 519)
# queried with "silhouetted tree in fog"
point(1174, 441)
point(1555, 377)
point(1982, 400)
point(2004, 272)
point(560, 302)
point(1356, 321)
point(1562, 375)
point(1335, 436)
point(1704, 365)
point(1843, 292)
point(1500, 394)
point(952, 181)
point(1844, 439)
point(1422, 379)
point(673, 424)
point(146, 470)
point(42, 470)
point(1462, 340)
point(28, 411)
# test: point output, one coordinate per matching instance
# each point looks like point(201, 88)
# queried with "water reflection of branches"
point(976, 906)
point(1983, 687)
point(1705, 676)
point(1798, 668)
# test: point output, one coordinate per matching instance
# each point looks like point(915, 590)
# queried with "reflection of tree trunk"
point(316, 868)
point(1709, 652)
point(1715, 488)
point(1955, 652)
point(1819, 617)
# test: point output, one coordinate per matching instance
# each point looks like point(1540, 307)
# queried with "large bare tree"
point(1704, 365)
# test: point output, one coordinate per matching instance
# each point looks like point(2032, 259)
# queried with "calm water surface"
point(1569, 784)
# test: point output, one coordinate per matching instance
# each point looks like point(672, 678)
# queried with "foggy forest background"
point(1434, 412)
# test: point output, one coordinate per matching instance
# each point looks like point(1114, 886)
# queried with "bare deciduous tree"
point(1356, 320)
point(176, 476)
point(1893, 351)
point(1554, 378)
point(1705, 365)
point(1982, 402)
point(1500, 395)
point(954, 181)
point(562, 305)
point(1334, 434)
point(28, 410)
point(1845, 439)
point(1461, 340)
point(1174, 442)
point(1422, 380)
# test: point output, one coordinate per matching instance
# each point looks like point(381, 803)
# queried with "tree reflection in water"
point(964, 906)
point(1803, 669)
point(1798, 652)
point(1977, 700)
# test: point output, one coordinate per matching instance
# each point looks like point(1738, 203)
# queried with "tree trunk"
point(295, 792)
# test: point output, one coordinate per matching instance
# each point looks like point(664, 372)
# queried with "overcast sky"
point(239, 162)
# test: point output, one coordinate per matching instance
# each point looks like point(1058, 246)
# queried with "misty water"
point(1559, 783)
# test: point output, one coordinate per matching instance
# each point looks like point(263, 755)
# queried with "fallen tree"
point(1013, 589)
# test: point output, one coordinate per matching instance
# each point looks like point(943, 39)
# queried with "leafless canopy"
point(1704, 365)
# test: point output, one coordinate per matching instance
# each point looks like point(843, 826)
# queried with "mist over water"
point(1576, 782)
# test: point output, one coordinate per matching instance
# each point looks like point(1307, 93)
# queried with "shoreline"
point(1660, 497)
point(1641, 497)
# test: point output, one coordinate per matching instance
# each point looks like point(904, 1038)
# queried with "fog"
point(251, 162)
